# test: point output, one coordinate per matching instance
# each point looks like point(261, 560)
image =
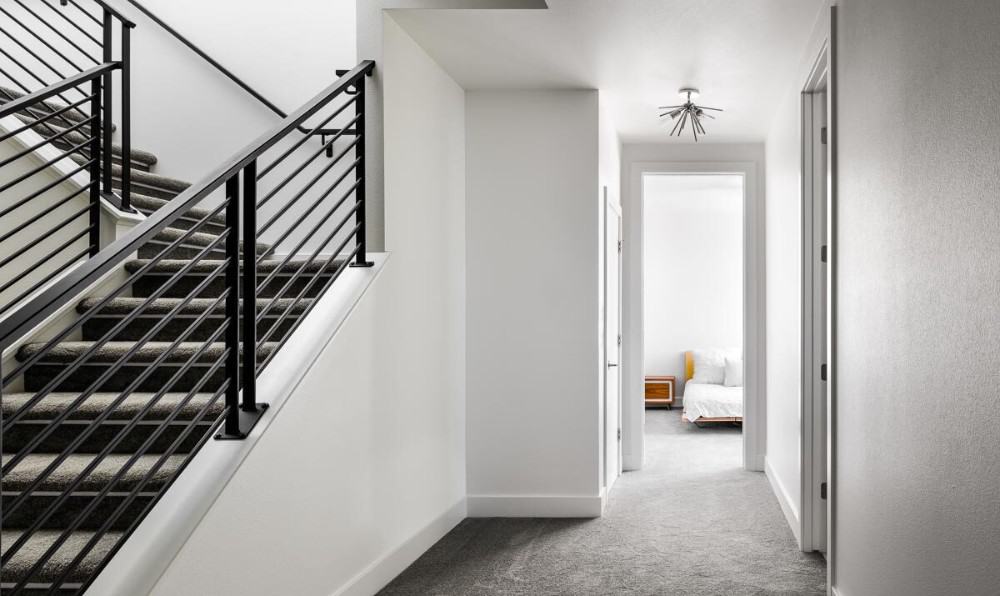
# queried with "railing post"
point(107, 119)
point(232, 366)
point(250, 287)
point(126, 158)
point(95, 166)
point(361, 258)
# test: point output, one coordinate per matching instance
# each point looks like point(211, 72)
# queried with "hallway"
point(691, 523)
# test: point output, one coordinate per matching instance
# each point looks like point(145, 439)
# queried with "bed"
point(709, 402)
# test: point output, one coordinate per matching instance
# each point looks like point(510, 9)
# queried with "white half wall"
point(693, 263)
point(364, 467)
point(917, 482)
point(533, 319)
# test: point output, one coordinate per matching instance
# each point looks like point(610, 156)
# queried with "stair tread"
point(55, 404)
point(32, 466)
point(201, 239)
point(26, 557)
point(160, 306)
point(207, 266)
point(153, 180)
point(150, 204)
point(113, 351)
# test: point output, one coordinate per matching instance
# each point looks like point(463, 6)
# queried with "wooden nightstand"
point(660, 391)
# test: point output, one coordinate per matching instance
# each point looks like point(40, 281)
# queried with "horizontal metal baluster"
point(48, 256)
point(11, 420)
point(274, 218)
point(57, 32)
point(50, 209)
point(340, 269)
point(46, 188)
point(43, 42)
point(47, 116)
point(71, 22)
point(304, 138)
point(96, 461)
point(46, 279)
point(66, 221)
point(304, 291)
point(145, 511)
point(64, 155)
point(84, 317)
point(48, 141)
point(92, 17)
point(148, 370)
point(164, 457)
point(38, 79)
point(270, 195)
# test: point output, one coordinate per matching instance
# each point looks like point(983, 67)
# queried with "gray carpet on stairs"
point(692, 522)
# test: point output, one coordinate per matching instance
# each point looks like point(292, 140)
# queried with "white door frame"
point(816, 177)
point(610, 205)
point(754, 398)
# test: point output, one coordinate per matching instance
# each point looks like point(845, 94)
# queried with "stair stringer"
point(149, 551)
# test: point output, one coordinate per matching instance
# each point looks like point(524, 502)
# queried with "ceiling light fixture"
point(688, 112)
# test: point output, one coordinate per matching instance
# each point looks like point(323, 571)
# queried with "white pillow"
point(709, 366)
point(734, 372)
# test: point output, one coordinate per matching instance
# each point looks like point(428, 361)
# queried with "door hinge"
point(822, 491)
point(822, 253)
point(822, 135)
point(619, 434)
point(822, 372)
point(619, 246)
point(619, 339)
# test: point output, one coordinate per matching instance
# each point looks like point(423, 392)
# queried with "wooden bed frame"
point(688, 375)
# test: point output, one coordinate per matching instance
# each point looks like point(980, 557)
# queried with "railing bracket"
point(247, 421)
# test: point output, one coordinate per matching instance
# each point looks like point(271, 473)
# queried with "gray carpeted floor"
point(692, 522)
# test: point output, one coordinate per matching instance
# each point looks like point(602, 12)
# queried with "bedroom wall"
point(533, 350)
point(918, 332)
point(693, 268)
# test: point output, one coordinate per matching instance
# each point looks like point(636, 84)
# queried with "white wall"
point(784, 287)
point(376, 431)
point(693, 264)
point(532, 230)
point(918, 337)
point(632, 379)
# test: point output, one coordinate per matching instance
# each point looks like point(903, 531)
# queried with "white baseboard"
point(785, 500)
point(383, 570)
point(536, 505)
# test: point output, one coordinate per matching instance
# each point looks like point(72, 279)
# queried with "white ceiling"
point(741, 53)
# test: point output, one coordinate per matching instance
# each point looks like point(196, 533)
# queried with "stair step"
point(191, 246)
point(105, 319)
point(43, 107)
point(149, 205)
point(32, 466)
point(52, 363)
point(150, 184)
point(23, 433)
point(164, 270)
point(25, 558)
point(67, 513)
point(55, 404)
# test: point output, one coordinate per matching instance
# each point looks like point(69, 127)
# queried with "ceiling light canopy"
point(687, 113)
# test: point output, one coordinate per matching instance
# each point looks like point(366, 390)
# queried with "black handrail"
point(109, 10)
point(27, 101)
point(29, 315)
point(228, 73)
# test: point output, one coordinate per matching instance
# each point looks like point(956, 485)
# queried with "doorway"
point(751, 278)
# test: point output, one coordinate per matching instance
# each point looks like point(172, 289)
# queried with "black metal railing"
point(266, 234)
point(270, 105)
point(57, 96)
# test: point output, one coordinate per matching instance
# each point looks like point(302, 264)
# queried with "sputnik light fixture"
point(688, 112)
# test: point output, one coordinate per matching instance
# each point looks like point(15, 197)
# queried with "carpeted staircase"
point(38, 434)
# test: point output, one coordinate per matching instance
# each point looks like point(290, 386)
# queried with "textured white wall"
point(693, 262)
point(918, 484)
point(532, 233)
point(370, 451)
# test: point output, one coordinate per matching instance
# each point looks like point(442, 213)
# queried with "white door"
point(612, 341)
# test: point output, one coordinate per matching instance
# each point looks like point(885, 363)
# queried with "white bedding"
point(703, 400)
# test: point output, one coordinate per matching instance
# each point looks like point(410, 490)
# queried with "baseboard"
point(383, 570)
point(536, 505)
point(835, 592)
point(785, 500)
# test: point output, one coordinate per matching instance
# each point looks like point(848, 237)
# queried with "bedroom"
point(693, 310)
